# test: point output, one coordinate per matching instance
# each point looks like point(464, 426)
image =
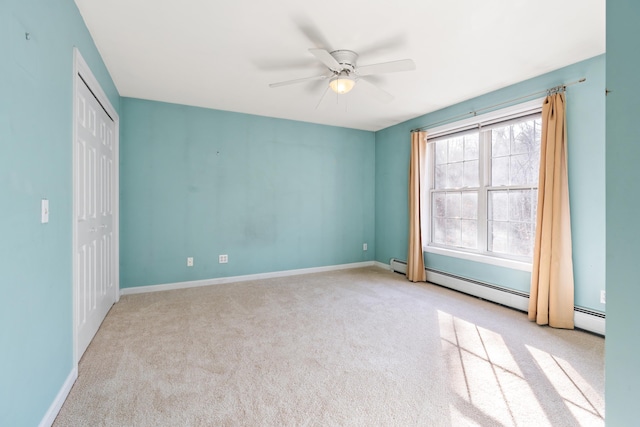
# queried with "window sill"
point(500, 262)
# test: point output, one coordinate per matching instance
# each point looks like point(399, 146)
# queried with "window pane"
point(511, 215)
point(524, 169)
point(455, 150)
point(441, 177)
point(453, 205)
point(438, 231)
point(452, 231)
point(500, 171)
point(521, 238)
point(500, 141)
point(471, 178)
point(454, 175)
point(439, 205)
point(520, 205)
point(471, 146)
point(469, 205)
point(524, 138)
point(441, 152)
point(498, 206)
point(469, 234)
point(498, 237)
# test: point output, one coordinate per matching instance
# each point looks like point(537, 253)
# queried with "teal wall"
point(35, 162)
point(272, 194)
point(586, 133)
point(623, 204)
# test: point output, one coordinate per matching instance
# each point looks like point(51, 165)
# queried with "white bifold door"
point(94, 196)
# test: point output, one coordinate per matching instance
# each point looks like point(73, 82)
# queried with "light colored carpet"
point(349, 348)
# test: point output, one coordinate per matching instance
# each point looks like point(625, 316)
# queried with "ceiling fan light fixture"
point(342, 84)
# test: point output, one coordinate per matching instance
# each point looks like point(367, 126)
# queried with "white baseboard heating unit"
point(589, 320)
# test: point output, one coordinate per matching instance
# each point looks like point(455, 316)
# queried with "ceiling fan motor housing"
point(346, 58)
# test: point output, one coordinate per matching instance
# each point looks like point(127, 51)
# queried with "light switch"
point(45, 211)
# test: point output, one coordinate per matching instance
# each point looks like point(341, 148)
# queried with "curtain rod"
point(550, 91)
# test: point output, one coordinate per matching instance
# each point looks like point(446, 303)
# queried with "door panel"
point(94, 217)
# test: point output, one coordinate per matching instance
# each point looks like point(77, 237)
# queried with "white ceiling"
point(223, 54)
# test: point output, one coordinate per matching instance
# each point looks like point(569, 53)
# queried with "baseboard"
point(501, 296)
point(589, 322)
point(382, 265)
point(233, 279)
point(52, 413)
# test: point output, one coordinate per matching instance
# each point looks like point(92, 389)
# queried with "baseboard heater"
point(589, 320)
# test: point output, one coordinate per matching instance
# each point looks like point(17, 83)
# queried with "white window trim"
point(502, 114)
point(485, 259)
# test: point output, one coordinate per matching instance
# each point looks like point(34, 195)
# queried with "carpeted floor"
point(349, 348)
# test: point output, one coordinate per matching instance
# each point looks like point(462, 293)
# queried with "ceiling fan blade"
point(302, 80)
point(325, 57)
point(386, 67)
point(374, 91)
point(311, 31)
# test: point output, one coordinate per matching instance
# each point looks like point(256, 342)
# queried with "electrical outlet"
point(603, 297)
point(190, 261)
point(364, 246)
point(223, 259)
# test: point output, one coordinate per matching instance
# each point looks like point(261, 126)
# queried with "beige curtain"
point(415, 259)
point(551, 298)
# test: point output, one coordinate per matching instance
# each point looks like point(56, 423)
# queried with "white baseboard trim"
point(382, 265)
point(233, 279)
point(589, 322)
point(490, 294)
point(52, 413)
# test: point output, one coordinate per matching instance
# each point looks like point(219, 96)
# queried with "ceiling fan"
point(343, 72)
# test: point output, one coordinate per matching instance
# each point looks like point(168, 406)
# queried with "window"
point(483, 186)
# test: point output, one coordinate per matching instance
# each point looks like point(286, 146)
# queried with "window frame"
point(477, 122)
